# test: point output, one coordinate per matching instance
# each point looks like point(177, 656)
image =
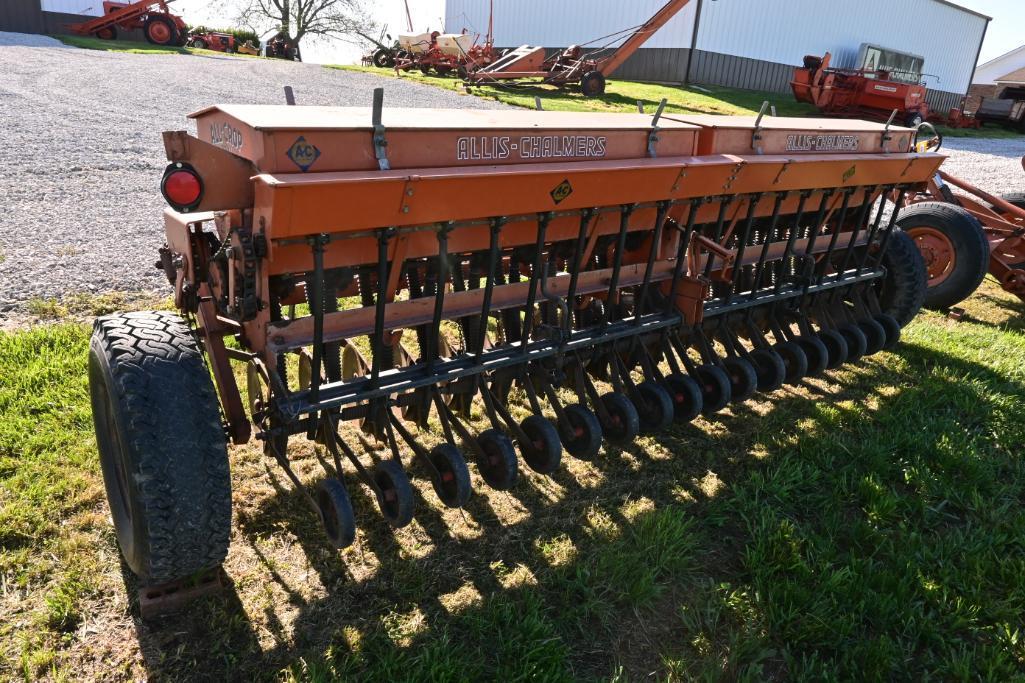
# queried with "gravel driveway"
point(80, 141)
point(82, 154)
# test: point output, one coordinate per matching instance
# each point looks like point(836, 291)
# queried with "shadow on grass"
point(867, 531)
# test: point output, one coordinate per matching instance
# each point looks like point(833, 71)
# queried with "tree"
point(299, 19)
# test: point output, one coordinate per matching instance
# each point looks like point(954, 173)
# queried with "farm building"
point(46, 16)
point(998, 74)
point(750, 44)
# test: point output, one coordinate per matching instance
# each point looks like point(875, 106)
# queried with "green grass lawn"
point(625, 95)
point(133, 47)
point(862, 526)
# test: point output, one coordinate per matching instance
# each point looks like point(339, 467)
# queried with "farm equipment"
point(866, 93)
point(158, 25)
point(965, 234)
point(1007, 110)
point(212, 40)
point(402, 285)
point(573, 65)
point(281, 46)
point(442, 53)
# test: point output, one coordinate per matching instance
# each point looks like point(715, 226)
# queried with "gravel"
point(79, 206)
point(993, 165)
point(82, 155)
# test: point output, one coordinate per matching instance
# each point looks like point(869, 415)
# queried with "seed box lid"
point(794, 135)
point(281, 139)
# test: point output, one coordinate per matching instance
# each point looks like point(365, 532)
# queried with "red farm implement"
point(422, 291)
point(158, 25)
point(859, 93)
point(213, 40)
point(964, 232)
point(572, 65)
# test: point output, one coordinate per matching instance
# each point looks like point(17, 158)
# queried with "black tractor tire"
point(593, 84)
point(969, 243)
point(914, 120)
point(1015, 198)
point(162, 446)
point(383, 59)
point(152, 25)
point(902, 290)
point(199, 44)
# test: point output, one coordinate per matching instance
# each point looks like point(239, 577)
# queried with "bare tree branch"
point(337, 19)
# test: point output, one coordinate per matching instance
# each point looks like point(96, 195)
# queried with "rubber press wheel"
point(743, 378)
point(892, 328)
point(715, 388)
point(795, 361)
point(336, 513)
point(875, 335)
point(543, 450)
point(686, 395)
point(161, 445)
point(954, 247)
point(857, 342)
point(580, 432)
point(452, 480)
point(817, 353)
point(623, 423)
point(770, 369)
point(836, 347)
point(396, 493)
point(160, 30)
point(497, 464)
point(656, 411)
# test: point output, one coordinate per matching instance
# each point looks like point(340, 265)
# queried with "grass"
point(133, 47)
point(865, 525)
point(86, 305)
point(619, 96)
point(623, 96)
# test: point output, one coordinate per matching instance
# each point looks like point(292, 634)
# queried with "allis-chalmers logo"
point(822, 143)
point(303, 154)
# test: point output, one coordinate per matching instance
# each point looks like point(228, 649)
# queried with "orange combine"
point(418, 273)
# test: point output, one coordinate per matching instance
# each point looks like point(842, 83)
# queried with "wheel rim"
point(937, 251)
point(159, 32)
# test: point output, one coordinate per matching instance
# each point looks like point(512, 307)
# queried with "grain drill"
point(391, 278)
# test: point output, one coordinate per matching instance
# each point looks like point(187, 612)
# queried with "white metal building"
point(751, 44)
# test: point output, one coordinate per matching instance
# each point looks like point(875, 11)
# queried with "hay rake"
point(421, 273)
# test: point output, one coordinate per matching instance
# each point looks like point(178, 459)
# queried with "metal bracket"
point(756, 134)
point(653, 134)
point(886, 132)
point(289, 96)
point(380, 142)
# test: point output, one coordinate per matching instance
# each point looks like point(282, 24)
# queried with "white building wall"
point(558, 23)
point(783, 31)
point(988, 73)
point(779, 31)
point(92, 8)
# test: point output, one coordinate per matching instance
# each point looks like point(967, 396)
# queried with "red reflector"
point(182, 188)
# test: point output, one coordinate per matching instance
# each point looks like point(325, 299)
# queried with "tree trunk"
point(286, 17)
